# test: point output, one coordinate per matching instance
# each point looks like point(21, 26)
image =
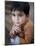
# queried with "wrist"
point(21, 34)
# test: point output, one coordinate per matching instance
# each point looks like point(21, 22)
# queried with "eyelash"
point(13, 15)
point(18, 15)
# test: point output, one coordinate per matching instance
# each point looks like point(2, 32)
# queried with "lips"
point(17, 24)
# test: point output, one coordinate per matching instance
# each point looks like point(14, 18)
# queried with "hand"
point(15, 29)
point(21, 34)
point(12, 33)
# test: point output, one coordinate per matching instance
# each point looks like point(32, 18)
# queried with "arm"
point(28, 33)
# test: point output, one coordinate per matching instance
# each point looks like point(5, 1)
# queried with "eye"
point(20, 15)
point(13, 14)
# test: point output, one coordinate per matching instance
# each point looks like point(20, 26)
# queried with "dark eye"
point(20, 15)
point(13, 14)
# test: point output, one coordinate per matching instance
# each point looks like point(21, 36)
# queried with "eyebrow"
point(20, 13)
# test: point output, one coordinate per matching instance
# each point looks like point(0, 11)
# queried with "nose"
point(17, 20)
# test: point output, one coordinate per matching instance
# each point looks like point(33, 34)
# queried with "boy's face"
point(18, 17)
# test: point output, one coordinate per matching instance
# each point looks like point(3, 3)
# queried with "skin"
point(19, 18)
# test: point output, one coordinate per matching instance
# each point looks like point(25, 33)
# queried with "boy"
point(22, 29)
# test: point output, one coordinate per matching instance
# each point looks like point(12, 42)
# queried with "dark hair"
point(21, 6)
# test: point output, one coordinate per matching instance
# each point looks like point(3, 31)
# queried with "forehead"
point(17, 12)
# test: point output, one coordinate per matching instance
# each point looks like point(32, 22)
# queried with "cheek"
point(22, 20)
point(13, 19)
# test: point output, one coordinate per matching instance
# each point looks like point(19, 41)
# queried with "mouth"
point(17, 25)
